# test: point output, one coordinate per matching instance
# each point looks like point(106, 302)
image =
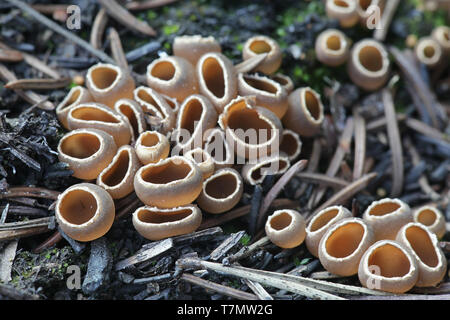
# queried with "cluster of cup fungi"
point(123, 137)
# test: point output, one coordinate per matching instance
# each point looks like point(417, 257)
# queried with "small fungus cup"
point(154, 223)
point(368, 65)
point(345, 11)
point(87, 151)
point(305, 112)
point(193, 47)
point(320, 223)
point(108, 83)
point(424, 246)
point(221, 191)
point(432, 218)
point(343, 245)
point(203, 160)
point(387, 216)
point(76, 96)
point(332, 47)
point(85, 211)
point(169, 183)
point(286, 228)
point(428, 51)
point(173, 76)
point(442, 35)
point(118, 177)
point(152, 146)
point(388, 266)
point(263, 44)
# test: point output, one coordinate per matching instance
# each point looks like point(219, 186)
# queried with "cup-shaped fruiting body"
point(387, 216)
point(156, 105)
point(343, 245)
point(286, 228)
point(254, 132)
point(221, 191)
point(193, 47)
point(216, 79)
point(428, 51)
point(118, 177)
point(432, 218)
point(263, 44)
point(156, 223)
point(268, 93)
point(345, 11)
point(203, 160)
point(388, 266)
point(442, 35)
point(152, 146)
point(135, 115)
point(169, 183)
point(108, 83)
point(87, 151)
point(216, 145)
point(305, 112)
point(291, 144)
point(284, 80)
point(424, 246)
point(85, 211)
point(196, 115)
point(332, 47)
point(75, 96)
point(254, 172)
point(320, 223)
point(173, 76)
point(368, 64)
point(99, 116)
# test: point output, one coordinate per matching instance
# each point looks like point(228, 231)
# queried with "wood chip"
point(158, 248)
point(226, 245)
point(7, 255)
point(33, 192)
point(395, 143)
point(122, 15)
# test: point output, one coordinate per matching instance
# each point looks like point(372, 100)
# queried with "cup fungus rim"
point(222, 172)
point(437, 214)
point(400, 203)
point(344, 42)
point(306, 111)
point(92, 131)
point(357, 47)
point(421, 46)
point(434, 241)
point(96, 105)
point(333, 228)
point(90, 80)
point(331, 222)
point(174, 60)
point(149, 132)
point(274, 47)
point(192, 166)
point(351, 6)
point(86, 188)
point(412, 263)
point(290, 212)
point(192, 207)
point(64, 103)
point(280, 90)
point(129, 150)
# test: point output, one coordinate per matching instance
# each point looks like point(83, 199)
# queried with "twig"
point(33, 192)
point(379, 124)
point(343, 195)
point(247, 251)
point(323, 180)
point(388, 13)
point(231, 292)
point(226, 245)
point(4, 214)
point(409, 297)
point(122, 15)
point(117, 49)
point(38, 84)
point(65, 33)
point(98, 28)
point(50, 8)
point(395, 143)
point(360, 147)
point(51, 241)
point(10, 55)
point(28, 95)
point(426, 130)
point(277, 188)
point(313, 163)
point(342, 148)
point(148, 4)
point(16, 294)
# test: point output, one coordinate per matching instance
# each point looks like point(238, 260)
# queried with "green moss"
point(151, 15)
point(245, 240)
point(170, 29)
